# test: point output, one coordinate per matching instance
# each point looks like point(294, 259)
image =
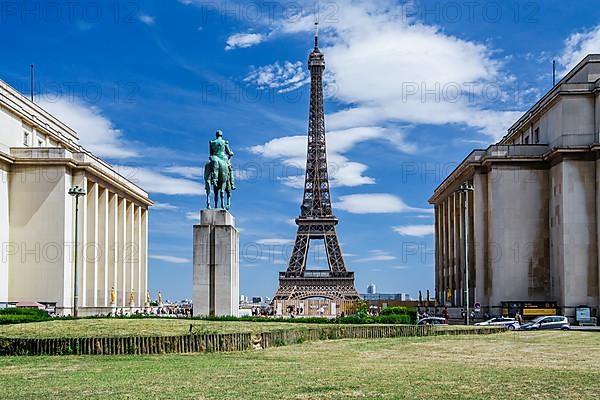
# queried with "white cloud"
point(170, 259)
point(375, 203)
point(163, 206)
point(186, 172)
point(283, 78)
point(243, 40)
point(342, 171)
point(291, 222)
point(377, 255)
point(157, 182)
point(414, 230)
point(147, 19)
point(193, 216)
point(377, 57)
point(198, 172)
point(96, 132)
point(577, 46)
point(275, 241)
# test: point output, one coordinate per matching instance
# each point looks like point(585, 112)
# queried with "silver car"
point(510, 323)
point(549, 322)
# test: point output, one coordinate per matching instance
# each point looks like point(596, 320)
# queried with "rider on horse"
point(220, 152)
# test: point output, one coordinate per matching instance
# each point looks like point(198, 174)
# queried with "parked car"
point(510, 323)
point(432, 321)
point(549, 322)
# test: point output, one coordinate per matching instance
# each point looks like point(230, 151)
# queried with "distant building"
point(371, 289)
point(385, 296)
point(40, 159)
point(534, 216)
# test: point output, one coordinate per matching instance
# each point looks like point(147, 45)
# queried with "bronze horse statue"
point(217, 178)
point(218, 173)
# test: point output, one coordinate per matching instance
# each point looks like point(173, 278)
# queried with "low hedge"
point(410, 311)
point(22, 315)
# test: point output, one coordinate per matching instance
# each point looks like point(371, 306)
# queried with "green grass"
point(524, 365)
point(120, 327)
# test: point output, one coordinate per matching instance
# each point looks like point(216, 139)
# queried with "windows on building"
point(526, 140)
point(26, 138)
point(536, 135)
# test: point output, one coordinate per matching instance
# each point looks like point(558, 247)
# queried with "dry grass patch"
point(529, 365)
point(122, 327)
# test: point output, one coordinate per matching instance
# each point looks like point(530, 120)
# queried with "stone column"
point(479, 238)
point(129, 250)
point(113, 246)
point(122, 292)
point(102, 248)
point(459, 237)
point(216, 264)
point(91, 246)
point(137, 257)
point(438, 257)
point(451, 249)
point(144, 255)
point(82, 234)
point(446, 227)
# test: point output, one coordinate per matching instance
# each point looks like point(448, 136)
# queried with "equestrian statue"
point(218, 172)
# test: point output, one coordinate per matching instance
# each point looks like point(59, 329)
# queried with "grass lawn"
point(118, 327)
point(528, 365)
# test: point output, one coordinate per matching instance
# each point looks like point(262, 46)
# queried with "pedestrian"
point(519, 318)
point(446, 314)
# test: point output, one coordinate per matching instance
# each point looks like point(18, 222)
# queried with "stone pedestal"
point(216, 265)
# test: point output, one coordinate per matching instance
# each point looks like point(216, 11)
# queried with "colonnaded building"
point(40, 160)
point(534, 215)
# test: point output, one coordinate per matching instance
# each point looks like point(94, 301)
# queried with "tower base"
point(316, 284)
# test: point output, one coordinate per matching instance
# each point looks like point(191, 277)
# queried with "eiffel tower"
point(316, 220)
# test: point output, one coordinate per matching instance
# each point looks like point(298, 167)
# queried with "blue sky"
point(412, 88)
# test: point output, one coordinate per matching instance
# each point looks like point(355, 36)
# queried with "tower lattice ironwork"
point(316, 220)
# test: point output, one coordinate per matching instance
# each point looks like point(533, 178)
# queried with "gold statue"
point(147, 298)
point(132, 297)
point(160, 303)
point(113, 296)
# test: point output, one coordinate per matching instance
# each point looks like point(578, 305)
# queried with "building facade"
point(532, 220)
point(40, 160)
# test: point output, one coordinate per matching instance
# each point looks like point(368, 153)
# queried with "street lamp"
point(76, 192)
point(465, 188)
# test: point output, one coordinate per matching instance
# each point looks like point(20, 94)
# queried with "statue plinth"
point(216, 265)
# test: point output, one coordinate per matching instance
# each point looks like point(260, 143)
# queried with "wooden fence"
point(221, 342)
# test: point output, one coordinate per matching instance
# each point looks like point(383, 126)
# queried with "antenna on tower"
point(316, 29)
